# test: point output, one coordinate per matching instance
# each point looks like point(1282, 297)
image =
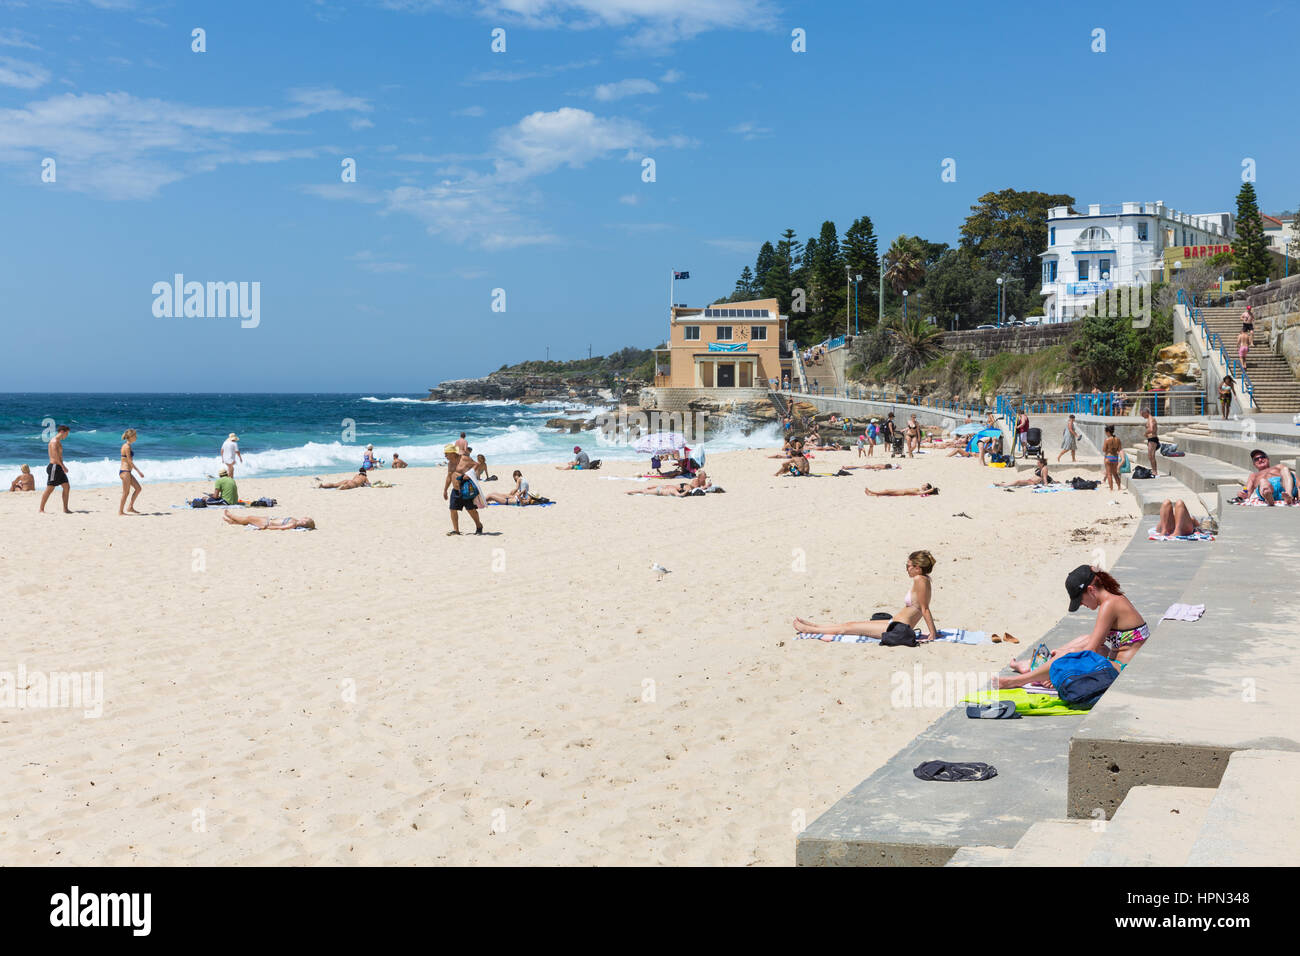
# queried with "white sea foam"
point(402, 401)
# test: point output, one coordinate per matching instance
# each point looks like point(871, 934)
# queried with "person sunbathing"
point(359, 480)
point(795, 467)
point(1120, 631)
point(961, 452)
point(916, 606)
point(1269, 482)
point(1039, 477)
point(924, 491)
point(679, 490)
point(883, 467)
point(1176, 520)
point(518, 496)
point(270, 524)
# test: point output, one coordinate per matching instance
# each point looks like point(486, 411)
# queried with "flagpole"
point(671, 276)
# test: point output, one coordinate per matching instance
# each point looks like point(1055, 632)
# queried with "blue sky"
point(522, 170)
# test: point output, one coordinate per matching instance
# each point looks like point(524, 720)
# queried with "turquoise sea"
point(180, 435)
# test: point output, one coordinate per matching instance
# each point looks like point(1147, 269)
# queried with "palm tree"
point(904, 264)
point(917, 343)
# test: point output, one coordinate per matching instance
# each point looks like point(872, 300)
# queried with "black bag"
point(1083, 484)
point(199, 503)
point(1142, 471)
point(898, 634)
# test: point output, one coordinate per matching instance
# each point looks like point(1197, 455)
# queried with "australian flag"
point(681, 275)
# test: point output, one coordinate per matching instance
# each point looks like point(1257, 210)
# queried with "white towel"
point(956, 636)
point(1184, 612)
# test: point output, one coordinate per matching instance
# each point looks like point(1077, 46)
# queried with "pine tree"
point(828, 276)
point(1250, 251)
point(744, 290)
point(766, 256)
point(860, 254)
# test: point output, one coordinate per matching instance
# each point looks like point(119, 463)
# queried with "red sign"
point(1199, 252)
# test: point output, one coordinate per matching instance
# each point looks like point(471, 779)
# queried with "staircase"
point(1275, 385)
point(826, 377)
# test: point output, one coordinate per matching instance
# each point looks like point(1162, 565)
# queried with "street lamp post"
point(905, 305)
point(848, 273)
point(999, 301)
point(880, 300)
point(856, 280)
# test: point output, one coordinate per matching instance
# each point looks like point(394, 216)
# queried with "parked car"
point(1035, 319)
point(986, 325)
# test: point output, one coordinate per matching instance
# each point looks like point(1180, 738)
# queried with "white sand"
point(503, 710)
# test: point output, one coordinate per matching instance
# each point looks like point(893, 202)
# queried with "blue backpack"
point(1082, 677)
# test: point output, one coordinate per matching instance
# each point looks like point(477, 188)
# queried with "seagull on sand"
point(660, 570)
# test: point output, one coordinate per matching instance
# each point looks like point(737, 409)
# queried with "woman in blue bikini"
point(128, 479)
point(1120, 631)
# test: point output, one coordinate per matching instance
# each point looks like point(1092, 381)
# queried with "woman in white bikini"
point(925, 491)
point(270, 524)
point(916, 606)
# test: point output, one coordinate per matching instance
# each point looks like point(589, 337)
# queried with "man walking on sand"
point(230, 451)
point(55, 473)
point(1153, 440)
point(464, 492)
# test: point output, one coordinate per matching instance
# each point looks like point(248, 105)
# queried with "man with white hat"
point(229, 451)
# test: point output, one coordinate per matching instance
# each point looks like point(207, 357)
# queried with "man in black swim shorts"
point(1153, 441)
point(458, 478)
point(55, 473)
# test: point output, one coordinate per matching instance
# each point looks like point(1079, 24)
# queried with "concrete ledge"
point(979, 856)
point(1234, 452)
point(1154, 826)
point(1254, 818)
point(894, 819)
point(1197, 472)
point(1151, 493)
point(1055, 843)
point(1202, 690)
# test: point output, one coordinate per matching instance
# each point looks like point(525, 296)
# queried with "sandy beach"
point(375, 692)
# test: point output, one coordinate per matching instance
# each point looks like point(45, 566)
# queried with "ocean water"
point(180, 435)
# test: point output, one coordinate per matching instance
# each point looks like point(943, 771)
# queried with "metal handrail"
point(1212, 341)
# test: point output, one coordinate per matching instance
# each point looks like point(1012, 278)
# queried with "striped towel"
point(954, 636)
point(1153, 535)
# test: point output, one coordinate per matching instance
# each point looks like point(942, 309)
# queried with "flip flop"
point(997, 638)
point(450, 533)
point(1010, 640)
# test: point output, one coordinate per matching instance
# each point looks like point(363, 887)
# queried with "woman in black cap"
point(1119, 633)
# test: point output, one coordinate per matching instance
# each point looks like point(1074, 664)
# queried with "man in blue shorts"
point(1270, 482)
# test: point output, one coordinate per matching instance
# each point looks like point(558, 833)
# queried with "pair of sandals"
point(999, 638)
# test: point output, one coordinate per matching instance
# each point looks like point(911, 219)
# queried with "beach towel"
point(619, 478)
point(956, 636)
point(1039, 490)
point(1254, 502)
point(539, 504)
point(1031, 705)
point(1184, 612)
point(189, 507)
point(1153, 535)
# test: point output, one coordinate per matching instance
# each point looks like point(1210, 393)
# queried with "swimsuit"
point(1276, 482)
point(1111, 458)
point(1130, 639)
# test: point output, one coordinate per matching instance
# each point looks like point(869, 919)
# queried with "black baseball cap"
point(1076, 582)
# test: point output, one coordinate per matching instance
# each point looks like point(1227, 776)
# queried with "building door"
point(726, 375)
point(747, 375)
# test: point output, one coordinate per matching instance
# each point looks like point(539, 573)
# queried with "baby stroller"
point(1033, 443)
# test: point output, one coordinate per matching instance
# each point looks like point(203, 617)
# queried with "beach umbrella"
point(970, 429)
point(698, 455)
point(659, 442)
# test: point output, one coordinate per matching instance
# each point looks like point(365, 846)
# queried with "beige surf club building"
point(728, 345)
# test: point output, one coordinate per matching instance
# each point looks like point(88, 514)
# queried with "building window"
point(1142, 232)
point(691, 333)
point(1103, 269)
point(724, 333)
point(1051, 270)
point(1051, 238)
point(1083, 270)
point(758, 333)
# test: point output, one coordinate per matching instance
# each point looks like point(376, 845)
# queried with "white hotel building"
point(1116, 246)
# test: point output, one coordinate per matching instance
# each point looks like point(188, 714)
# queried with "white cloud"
point(749, 130)
point(507, 76)
point(311, 101)
point(607, 92)
point(629, 199)
point(117, 146)
point(697, 96)
point(16, 38)
point(469, 111)
point(23, 75)
point(360, 123)
point(672, 76)
point(543, 142)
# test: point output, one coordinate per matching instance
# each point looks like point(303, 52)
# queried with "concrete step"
point(1197, 472)
point(979, 856)
point(1154, 826)
point(1055, 843)
point(1232, 452)
point(1151, 493)
point(1254, 818)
